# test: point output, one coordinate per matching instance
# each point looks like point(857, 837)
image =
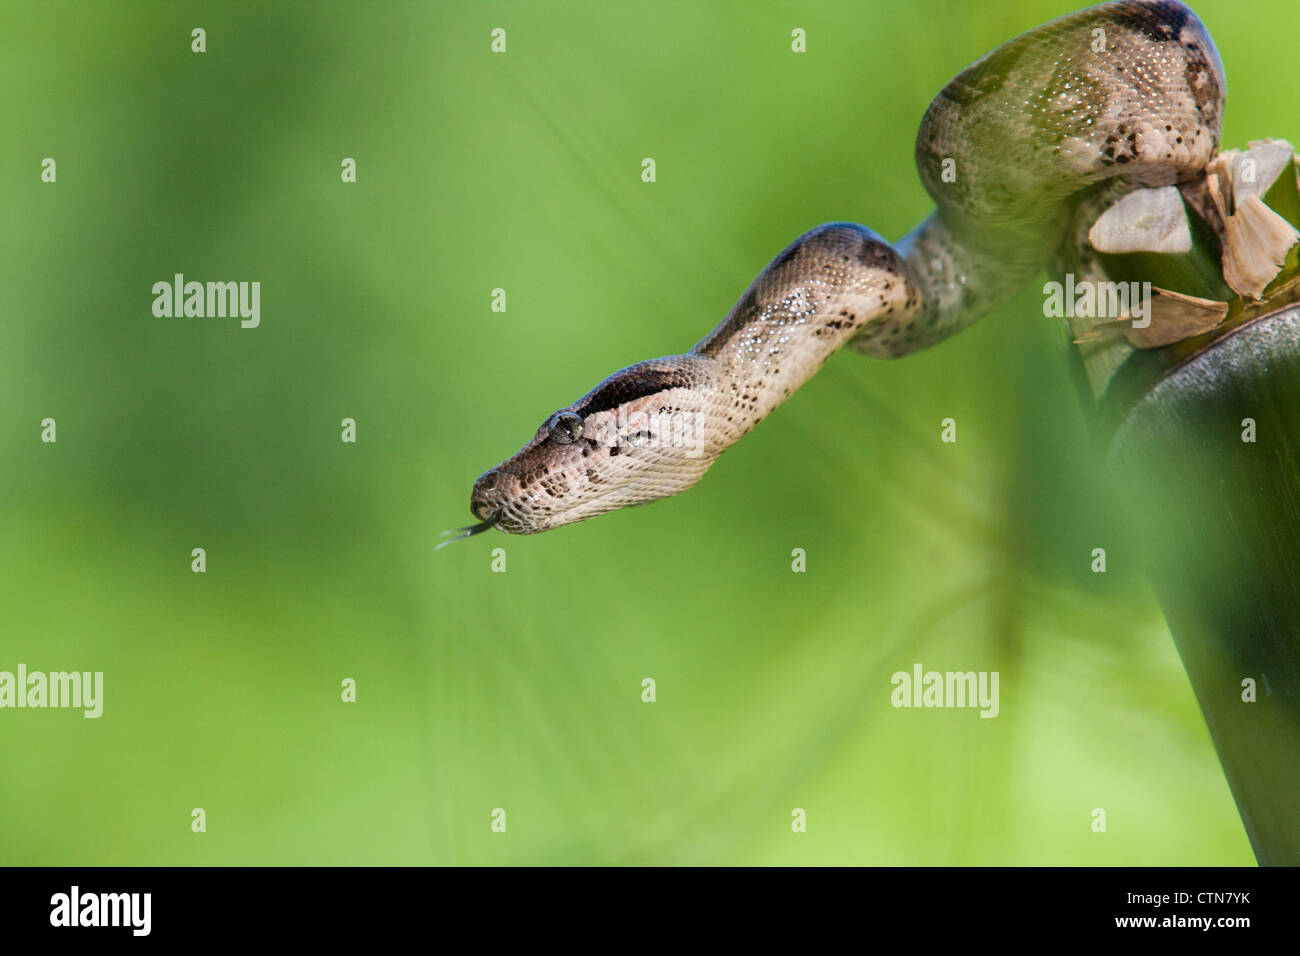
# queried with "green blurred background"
point(522, 690)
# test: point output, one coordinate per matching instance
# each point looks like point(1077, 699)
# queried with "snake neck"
point(840, 282)
point(960, 278)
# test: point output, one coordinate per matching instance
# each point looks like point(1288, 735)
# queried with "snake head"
point(646, 432)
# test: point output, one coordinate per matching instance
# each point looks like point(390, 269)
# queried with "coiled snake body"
point(1129, 89)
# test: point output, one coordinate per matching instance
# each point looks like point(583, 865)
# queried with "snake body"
point(1131, 89)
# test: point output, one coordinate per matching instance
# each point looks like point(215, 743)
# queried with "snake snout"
point(484, 499)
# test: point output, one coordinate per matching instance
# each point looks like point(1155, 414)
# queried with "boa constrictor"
point(1130, 89)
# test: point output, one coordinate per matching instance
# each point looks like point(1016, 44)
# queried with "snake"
point(1129, 91)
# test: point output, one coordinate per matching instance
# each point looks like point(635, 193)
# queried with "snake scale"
point(1131, 89)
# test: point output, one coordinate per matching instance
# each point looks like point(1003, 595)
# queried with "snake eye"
point(565, 427)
